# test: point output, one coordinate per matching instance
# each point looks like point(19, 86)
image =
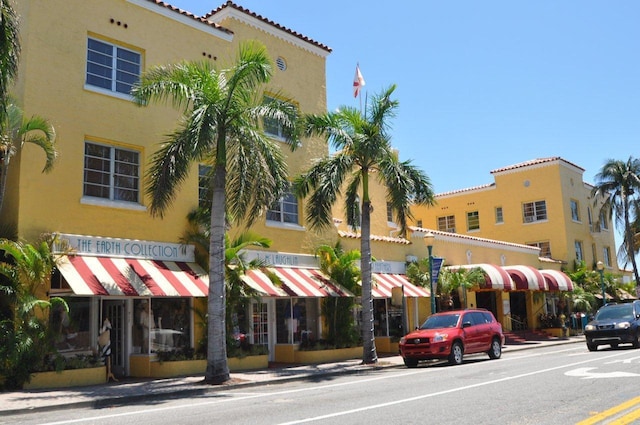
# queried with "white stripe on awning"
point(383, 283)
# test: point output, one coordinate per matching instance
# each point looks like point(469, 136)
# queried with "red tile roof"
point(377, 238)
point(191, 15)
point(536, 161)
point(231, 4)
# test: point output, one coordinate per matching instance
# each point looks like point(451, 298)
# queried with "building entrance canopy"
point(519, 277)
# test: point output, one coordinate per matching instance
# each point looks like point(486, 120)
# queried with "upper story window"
point(447, 224)
point(499, 216)
point(271, 126)
point(419, 223)
point(606, 252)
point(111, 173)
point(579, 252)
point(590, 218)
point(112, 68)
point(285, 210)
point(204, 186)
point(545, 248)
point(575, 210)
point(473, 221)
point(604, 223)
point(534, 211)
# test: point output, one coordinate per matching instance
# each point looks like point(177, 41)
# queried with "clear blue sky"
point(483, 84)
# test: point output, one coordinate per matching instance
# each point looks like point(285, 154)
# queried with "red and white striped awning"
point(495, 276)
point(87, 275)
point(526, 277)
point(293, 282)
point(557, 280)
point(383, 283)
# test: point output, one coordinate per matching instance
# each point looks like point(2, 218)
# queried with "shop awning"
point(495, 276)
point(88, 275)
point(293, 282)
point(383, 283)
point(526, 277)
point(557, 280)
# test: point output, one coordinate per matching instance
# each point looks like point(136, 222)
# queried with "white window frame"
point(112, 174)
point(118, 68)
point(277, 134)
point(606, 255)
point(545, 248)
point(604, 223)
point(534, 211)
point(473, 219)
point(499, 215)
point(447, 223)
point(278, 214)
point(579, 250)
point(575, 210)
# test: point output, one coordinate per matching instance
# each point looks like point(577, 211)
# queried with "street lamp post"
point(600, 267)
point(428, 240)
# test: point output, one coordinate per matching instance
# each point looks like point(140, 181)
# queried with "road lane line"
point(315, 388)
point(614, 410)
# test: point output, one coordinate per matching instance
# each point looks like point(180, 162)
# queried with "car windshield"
point(623, 311)
point(444, 321)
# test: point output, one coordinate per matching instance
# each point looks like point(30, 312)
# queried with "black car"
point(614, 324)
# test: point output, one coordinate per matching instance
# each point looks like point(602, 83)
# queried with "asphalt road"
point(555, 385)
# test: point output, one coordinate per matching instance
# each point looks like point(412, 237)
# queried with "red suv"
point(451, 334)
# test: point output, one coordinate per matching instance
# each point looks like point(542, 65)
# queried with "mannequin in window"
point(148, 324)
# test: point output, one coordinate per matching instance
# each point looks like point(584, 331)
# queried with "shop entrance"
point(114, 310)
point(518, 303)
point(487, 300)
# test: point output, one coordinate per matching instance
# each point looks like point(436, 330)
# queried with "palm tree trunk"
point(217, 369)
point(629, 242)
point(369, 354)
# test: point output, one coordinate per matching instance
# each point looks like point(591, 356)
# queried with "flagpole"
point(358, 83)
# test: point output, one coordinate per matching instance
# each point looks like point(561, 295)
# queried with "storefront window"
point(297, 320)
point(387, 319)
point(163, 325)
point(72, 331)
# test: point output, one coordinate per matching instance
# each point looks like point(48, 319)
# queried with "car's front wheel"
point(410, 362)
point(455, 356)
point(636, 340)
point(496, 349)
point(592, 347)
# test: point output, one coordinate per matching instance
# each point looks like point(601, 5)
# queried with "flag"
point(358, 82)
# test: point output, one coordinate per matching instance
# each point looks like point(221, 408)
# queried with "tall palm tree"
point(9, 51)
point(363, 151)
point(617, 187)
point(15, 131)
point(221, 126)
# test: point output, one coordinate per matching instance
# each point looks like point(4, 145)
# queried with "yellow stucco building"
point(79, 60)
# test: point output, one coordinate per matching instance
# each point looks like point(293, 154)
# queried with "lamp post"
point(428, 240)
point(600, 267)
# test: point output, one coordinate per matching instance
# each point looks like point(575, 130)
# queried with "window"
point(111, 173)
point(534, 211)
point(590, 218)
point(285, 210)
point(271, 126)
point(204, 187)
point(575, 210)
point(111, 67)
point(389, 213)
point(579, 254)
point(419, 223)
point(604, 223)
point(606, 253)
point(545, 248)
point(473, 221)
point(447, 224)
point(499, 217)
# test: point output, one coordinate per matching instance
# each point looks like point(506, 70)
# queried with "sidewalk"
point(130, 390)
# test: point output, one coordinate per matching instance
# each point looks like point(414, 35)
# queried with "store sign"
point(127, 248)
point(283, 259)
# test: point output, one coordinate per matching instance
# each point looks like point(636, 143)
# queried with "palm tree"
point(9, 51)
point(617, 186)
point(15, 131)
point(342, 268)
point(454, 279)
point(221, 126)
point(363, 151)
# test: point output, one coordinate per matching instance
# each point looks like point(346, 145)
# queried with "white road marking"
point(584, 373)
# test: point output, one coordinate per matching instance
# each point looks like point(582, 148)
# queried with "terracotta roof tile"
point(191, 15)
point(537, 161)
point(268, 21)
point(353, 235)
point(467, 237)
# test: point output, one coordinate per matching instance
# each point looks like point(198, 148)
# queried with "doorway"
point(114, 310)
point(487, 300)
point(518, 303)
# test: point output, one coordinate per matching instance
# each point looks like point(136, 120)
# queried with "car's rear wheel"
point(592, 347)
point(410, 362)
point(496, 349)
point(455, 356)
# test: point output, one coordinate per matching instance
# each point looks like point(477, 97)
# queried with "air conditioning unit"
point(528, 219)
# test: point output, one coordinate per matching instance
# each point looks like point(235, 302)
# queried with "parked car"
point(614, 324)
point(452, 334)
